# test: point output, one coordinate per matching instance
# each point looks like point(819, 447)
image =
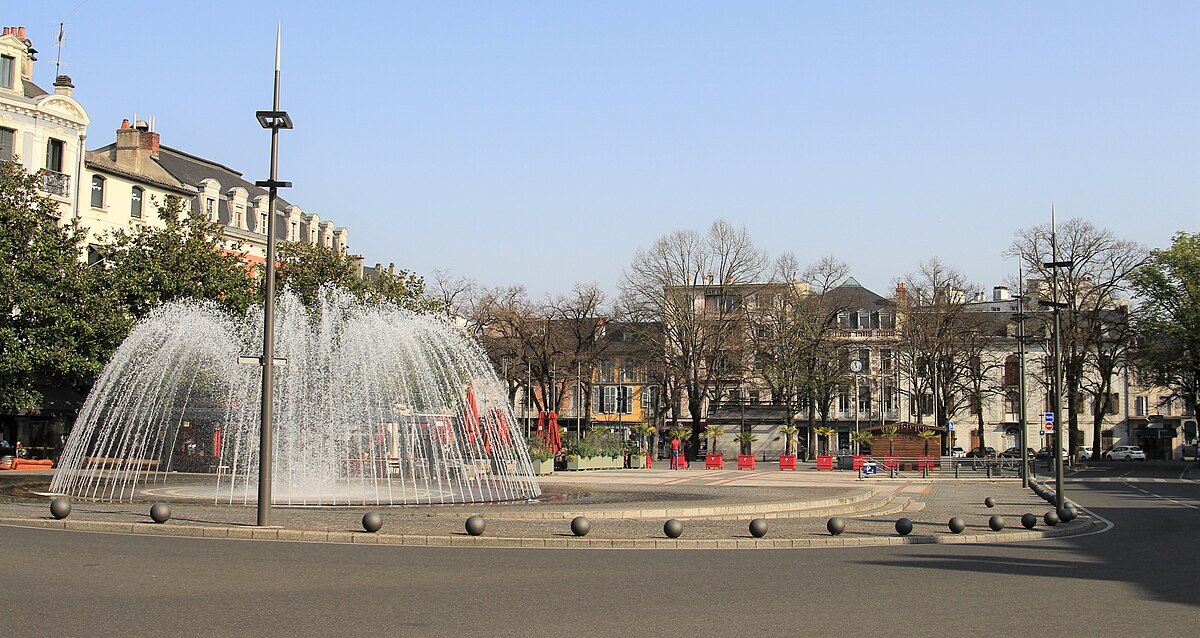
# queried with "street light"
point(275, 119)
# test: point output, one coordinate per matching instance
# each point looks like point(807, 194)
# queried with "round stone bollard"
point(1065, 515)
point(1050, 518)
point(989, 502)
point(1074, 510)
point(758, 527)
point(60, 507)
point(160, 512)
point(580, 526)
point(957, 525)
point(996, 523)
point(673, 528)
point(836, 525)
point(904, 527)
point(475, 525)
point(1029, 521)
point(372, 521)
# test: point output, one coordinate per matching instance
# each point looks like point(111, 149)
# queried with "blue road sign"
point(950, 425)
point(1049, 417)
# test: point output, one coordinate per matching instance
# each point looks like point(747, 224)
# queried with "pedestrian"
point(675, 453)
point(4, 444)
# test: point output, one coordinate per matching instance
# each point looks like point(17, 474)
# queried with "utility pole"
point(275, 119)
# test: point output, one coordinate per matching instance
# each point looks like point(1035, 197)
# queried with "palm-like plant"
point(644, 431)
point(890, 433)
point(863, 439)
point(790, 434)
point(745, 439)
point(927, 434)
point(825, 432)
point(713, 433)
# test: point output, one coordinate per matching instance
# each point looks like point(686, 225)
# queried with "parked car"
point(988, 452)
point(1015, 453)
point(957, 452)
point(1047, 453)
point(1126, 453)
point(1084, 453)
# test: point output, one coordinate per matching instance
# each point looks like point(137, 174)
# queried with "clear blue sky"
point(542, 143)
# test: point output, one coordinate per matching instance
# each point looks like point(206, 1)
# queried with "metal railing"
point(55, 183)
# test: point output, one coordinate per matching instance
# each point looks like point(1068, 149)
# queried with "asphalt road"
point(1138, 578)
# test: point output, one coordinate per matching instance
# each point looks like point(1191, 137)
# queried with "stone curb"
point(560, 542)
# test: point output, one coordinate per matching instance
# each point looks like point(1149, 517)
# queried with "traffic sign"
point(950, 425)
point(1049, 417)
point(1049, 427)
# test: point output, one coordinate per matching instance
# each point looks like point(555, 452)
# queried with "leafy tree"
point(862, 439)
point(825, 432)
point(53, 316)
point(745, 439)
point(306, 268)
point(148, 265)
point(926, 435)
point(890, 433)
point(790, 433)
point(713, 433)
point(1168, 318)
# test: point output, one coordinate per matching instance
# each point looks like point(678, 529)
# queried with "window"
point(616, 399)
point(54, 155)
point(8, 139)
point(210, 209)
point(8, 67)
point(650, 399)
point(1012, 371)
point(864, 355)
point(607, 371)
point(97, 191)
point(885, 360)
point(628, 370)
point(135, 202)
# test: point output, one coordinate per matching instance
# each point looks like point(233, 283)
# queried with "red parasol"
point(553, 440)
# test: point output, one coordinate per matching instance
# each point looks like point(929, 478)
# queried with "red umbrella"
point(541, 425)
point(553, 440)
point(471, 413)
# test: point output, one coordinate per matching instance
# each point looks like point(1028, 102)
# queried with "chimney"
point(1000, 293)
point(63, 86)
point(135, 146)
point(21, 32)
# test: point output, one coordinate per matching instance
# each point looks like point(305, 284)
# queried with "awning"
point(1155, 433)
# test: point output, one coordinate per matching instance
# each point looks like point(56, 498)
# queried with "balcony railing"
point(56, 183)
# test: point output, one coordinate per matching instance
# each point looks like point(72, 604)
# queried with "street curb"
point(1086, 524)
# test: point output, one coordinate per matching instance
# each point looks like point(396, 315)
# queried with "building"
point(132, 176)
point(44, 131)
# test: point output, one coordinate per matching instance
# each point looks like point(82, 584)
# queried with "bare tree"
point(579, 317)
point(691, 286)
point(936, 339)
point(1092, 286)
point(452, 292)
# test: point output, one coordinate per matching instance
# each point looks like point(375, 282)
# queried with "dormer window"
point(8, 67)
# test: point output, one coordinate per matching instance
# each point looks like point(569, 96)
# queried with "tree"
point(745, 439)
point(148, 265)
point(714, 433)
point(1098, 268)
point(690, 288)
point(825, 432)
point(890, 433)
point(939, 340)
point(789, 433)
point(56, 322)
point(306, 268)
point(925, 436)
point(792, 327)
point(1167, 320)
point(862, 439)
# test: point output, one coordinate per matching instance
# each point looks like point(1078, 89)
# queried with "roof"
point(191, 169)
point(31, 89)
point(852, 295)
point(100, 160)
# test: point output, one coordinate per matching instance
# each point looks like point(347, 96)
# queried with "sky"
point(543, 143)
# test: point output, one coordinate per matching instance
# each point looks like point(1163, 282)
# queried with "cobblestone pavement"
point(627, 508)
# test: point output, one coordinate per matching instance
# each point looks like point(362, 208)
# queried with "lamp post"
point(1054, 264)
point(1020, 317)
point(275, 119)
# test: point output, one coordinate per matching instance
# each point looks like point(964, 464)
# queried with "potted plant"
point(644, 431)
point(825, 461)
point(862, 438)
point(746, 456)
point(714, 459)
point(787, 460)
point(890, 433)
point(540, 457)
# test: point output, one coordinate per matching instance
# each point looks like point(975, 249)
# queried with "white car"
point(1084, 453)
point(1126, 453)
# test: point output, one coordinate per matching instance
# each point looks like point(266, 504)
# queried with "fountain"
point(374, 406)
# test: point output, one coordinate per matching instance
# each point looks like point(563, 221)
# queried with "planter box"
point(745, 461)
point(714, 462)
point(787, 462)
point(542, 468)
point(824, 462)
point(637, 461)
point(594, 463)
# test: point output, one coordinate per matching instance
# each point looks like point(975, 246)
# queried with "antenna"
point(58, 42)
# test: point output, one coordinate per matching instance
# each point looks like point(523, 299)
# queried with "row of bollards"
point(60, 508)
point(372, 522)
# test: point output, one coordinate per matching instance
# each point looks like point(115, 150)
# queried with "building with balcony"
point(44, 131)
